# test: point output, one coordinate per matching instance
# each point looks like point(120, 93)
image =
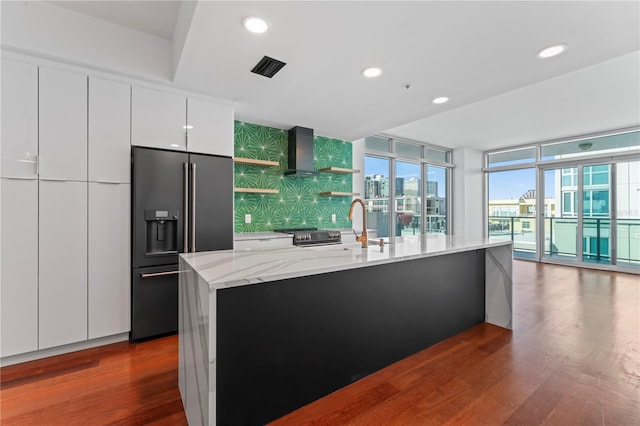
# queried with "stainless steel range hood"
point(300, 152)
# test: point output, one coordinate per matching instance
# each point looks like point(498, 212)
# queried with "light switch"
point(247, 218)
point(333, 218)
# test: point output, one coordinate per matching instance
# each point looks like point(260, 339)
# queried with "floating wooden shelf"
point(339, 194)
point(338, 170)
point(255, 162)
point(257, 190)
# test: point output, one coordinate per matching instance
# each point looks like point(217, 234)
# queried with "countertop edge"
point(330, 252)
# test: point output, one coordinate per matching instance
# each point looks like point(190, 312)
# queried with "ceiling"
point(482, 55)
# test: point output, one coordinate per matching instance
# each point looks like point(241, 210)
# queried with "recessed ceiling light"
point(255, 24)
point(372, 72)
point(440, 100)
point(550, 51)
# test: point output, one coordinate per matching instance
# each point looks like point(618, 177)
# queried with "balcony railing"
point(560, 238)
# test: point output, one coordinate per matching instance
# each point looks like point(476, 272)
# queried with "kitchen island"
point(265, 331)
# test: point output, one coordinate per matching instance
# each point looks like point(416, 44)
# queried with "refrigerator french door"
point(181, 203)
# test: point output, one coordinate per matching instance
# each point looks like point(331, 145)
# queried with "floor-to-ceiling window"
point(406, 185)
point(587, 190)
point(512, 209)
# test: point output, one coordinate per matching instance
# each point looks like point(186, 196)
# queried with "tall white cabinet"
point(109, 141)
point(109, 260)
point(62, 249)
point(109, 264)
point(19, 130)
point(19, 198)
point(65, 190)
point(65, 208)
point(62, 125)
point(19, 272)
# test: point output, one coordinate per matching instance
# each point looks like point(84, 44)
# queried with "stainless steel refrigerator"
point(180, 202)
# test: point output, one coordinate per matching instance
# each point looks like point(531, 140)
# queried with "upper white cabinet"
point(158, 119)
point(19, 272)
point(166, 120)
point(109, 142)
point(19, 119)
point(209, 127)
point(63, 125)
point(109, 260)
point(62, 295)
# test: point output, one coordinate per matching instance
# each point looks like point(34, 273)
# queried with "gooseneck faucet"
point(362, 238)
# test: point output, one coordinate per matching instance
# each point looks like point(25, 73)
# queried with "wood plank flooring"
point(573, 358)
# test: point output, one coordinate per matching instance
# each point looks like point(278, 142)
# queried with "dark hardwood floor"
point(572, 358)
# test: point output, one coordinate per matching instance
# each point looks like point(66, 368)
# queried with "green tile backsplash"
point(298, 204)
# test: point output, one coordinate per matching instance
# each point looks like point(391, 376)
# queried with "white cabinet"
point(169, 121)
point(109, 144)
point(19, 119)
point(158, 119)
point(209, 127)
point(109, 260)
point(63, 125)
point(19, 272)
point(62, 262)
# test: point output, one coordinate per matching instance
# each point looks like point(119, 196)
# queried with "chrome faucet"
point(362, 238)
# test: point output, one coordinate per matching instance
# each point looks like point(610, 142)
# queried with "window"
point(515, 156)
point(512, 195)
point(579, 197)
point(406, 185)
point(376, 194)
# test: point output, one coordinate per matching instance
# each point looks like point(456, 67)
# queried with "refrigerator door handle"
point(193, 207)
point(185, 219)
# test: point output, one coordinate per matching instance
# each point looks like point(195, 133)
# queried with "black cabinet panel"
point(284, 344)
point(154, 309)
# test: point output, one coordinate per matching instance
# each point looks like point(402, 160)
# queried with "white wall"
point(37, 27)
point(468, 193)
point(358, 163)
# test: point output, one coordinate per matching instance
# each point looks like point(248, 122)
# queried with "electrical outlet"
point(247, 218)
point(333, 218)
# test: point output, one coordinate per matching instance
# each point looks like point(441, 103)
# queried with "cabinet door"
point(210, 127)
point(63, 125)
point(109, 142)
point(158, 119)
point(63, 263)
point(19, 272)
point(109, 259)
point(19, 119)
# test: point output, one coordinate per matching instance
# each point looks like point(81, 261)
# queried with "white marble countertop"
point(232, 268)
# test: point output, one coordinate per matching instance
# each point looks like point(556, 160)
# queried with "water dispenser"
point(162, 231)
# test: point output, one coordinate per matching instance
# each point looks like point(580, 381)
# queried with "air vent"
point(268, 67)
